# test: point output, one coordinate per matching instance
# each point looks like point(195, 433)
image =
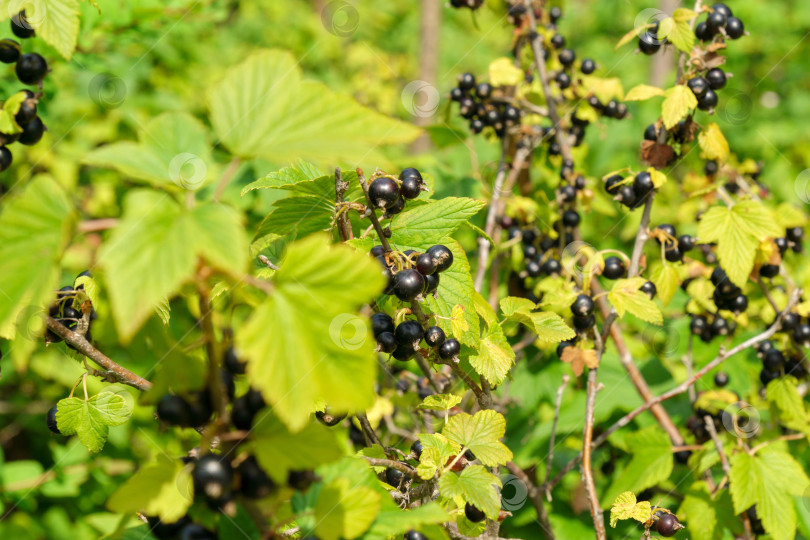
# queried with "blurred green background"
point(139, 59)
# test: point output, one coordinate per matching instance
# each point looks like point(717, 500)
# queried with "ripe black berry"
point(614, 268)
point(738, 304)
point(642, 185)
point(612, 108)
point(456, 94)
point(790, 321)
point(686, 243)
point(594, 102)
point(801, 335)
point(174, 410)
point(409, 333)
point(552, 267)
point(715, 21)
point(769, 270)
point(612, 184)
point(416, 448)
point(466, 107)
point(5, 158)
point(567, 57)
point(734, 28)
point(719, 326)
point(32, 132)
point(667, 525)
point(570, 218)
point(408, 284)
point(382, 322)
point(241, 414)
point(403, 353)
point(702, 32)
point(449, 349)
point(649, 289)
point(410, 188)
point(27, 112)
point(31, 68)
point(673, 254)
point(50, 419)
point(766, 376)
point(764, 347)
point(474, 514)
point(414, 535)
point(476, 125)
point(434, 336)
point(708, 101)
point(583, 306)
point(377, 251)
point(387, 342)
point(781, 243)
point(425, 264)
point(393, 477)
point(300, 480)
point(384, 193)
point(773, 360)
point(682, 457)
point(627, 195)
point(558, 41)
point(795, 234)
point(442, 257)
point(720, 379)
point(562, 346)
point(9, 51)
point(232, 362)
point(563, 80)
point(554, 14)
point(567, 193)
point(698, 325)
point(254, 482)
point(20, 26)
point(588, 66)
point(212, 476)
point(483, 90)
point(492, 117)
point(534, 268)
point(648, 44)
point(716, 78)
point(650, 133)
point(431, 283)
point(698, 86)
point(466, 81)
point(722, 8)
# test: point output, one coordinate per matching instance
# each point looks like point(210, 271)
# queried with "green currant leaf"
point(768, 479)
point(480, 433)
point(55, 21)
point(262, 108)
point(642, 92)
point(548, 326)
point(713, 143)
point(783, 393)
point(626, 507)
point(440, 402)
point(476, 485)
point(433, 223)
point(678, 101)
point(90, 419)
point(699, 511)
point(503, 72)
point(436, 450)
point(306, 343)
point(626, 297)
point(666, 280)
point(495, 355)
point(162, 488)
point(345, 510)
point(678, 32)
point(173, 150)
point(651, 462)
point(156, 248)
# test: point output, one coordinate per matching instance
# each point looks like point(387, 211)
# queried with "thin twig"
point(641, 236)
point(81, 344)
point(267, 262)
point(368, 430)
point(213, 351)
point(398, 465)
point(344, 226)
point(95, 225)
point(227, 176)
point(587, 473)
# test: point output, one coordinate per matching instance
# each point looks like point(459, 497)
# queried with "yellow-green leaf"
point(345, 510)
point(666, 281)
point(658, 178)
point(481, 434)
point(162, 488)
point(713, 143)
point(643, 92)
point(626, 507)
point(678, 101)
point(504, 72)
point(440, 402)
point(495, 356)
point(625, 296)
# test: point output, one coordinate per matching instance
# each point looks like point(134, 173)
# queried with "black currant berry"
point(416, 448)
point(393, 477)
point(722, 8)
point(716, 78)
point(474, 514)
point(456, 94)
point(423, 391)
point(534, 268)
point(584, 323)
point(434, 336)
point(552, 267)
point(27, 112)
point(649, 289)
point(734, 28)
point(612, 108)
point(193, 531)
point(232, 362)
point(614, 268)
point(32, 132)
point(699, 86)
point(242, 414)
point(476, 125)
point(442, 257)
point(769, 270)
point(466, 81)
point(570, 218)
point(562, 346)
point(431, 283)
point(708, 101)
point(648, 44)
point(449, 349)
point(720, 379)
point(612, 184)
point(766, 376)
point(588, 66)
point(790, 321)
point(167, 531)
point(387, 342)
point(594, 102)
point(20, 26)
point(414, 535)
point(801, 335)
point(50, 419)
point(563, 80)
point(686, 243)
point(702, 32)
point(667, 525)
point(174, 410)
point(409, 333)
point(682, 457)
point(403, 353)
point(558, 41)
point(782, 244)
point(738, 304)
point(382, 322)
point(212, 476)
point(254, 482)
point(583, 306)
point(673, 254)
point(773, 360)
point(466, 107)
point(31, 68)
point(410, 172)
point(719, 326)
point(650, 133)
point(300, 480)
point(377, 251)
point(9, 51)
point(408, 284)
point(425, 264)
point(715, 21)
point(627, 195)
point(384, 193)
point(795, 234)
point(698, 325)
point(567, 57)
point(483, 90)
point(567, 193)
point(410, 188)
point(5, 158)
point(643, 185)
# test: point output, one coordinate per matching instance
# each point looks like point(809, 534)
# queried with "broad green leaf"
point(684, 15)
point(667, 281)
point(55, 21)
point(738, 231)
point(34, 228)
point(678, 101)
point(286, 178)
point(626, 507)
point(603, 88)
point(156, 248)
point(394, 523)
point(440, 402)
point(279, 450)
point(10, 109)
point(480, 433)
point(455, 289)
point(651, 462)
point(240, 526)
point(90, 419)
point(433, 222)
point(436, 450)
point(768, 479)
point(643, 92)
point(305, 343)
point(548, 326)
point(299, 215)
point(504, 72)
point(173, 149)
point(459, 323)
point(626, 297)
point(262, 108)
point(678, 32)
point(476, 485)
point(713, 143)
point(484, 310)
point(345, 510)
point(162, 488)
point(495, 356)
point(699, 512)
point(788, 216)
point(784, 394)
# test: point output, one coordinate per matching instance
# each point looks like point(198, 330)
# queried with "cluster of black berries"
point(675, 247)
point(708, 326)
point(413, 273)
point(539, 252)
point(31, 69)
point(649, 42)
point(194, 409)
point(704, 87)
point(477, 104)
point(774, 363)
point(469, 4)
point(389, 194)
point(726, 294)
point(582, 310)
point(793, 239)
point(720, 21)
point(66, 310)
point(630, 194)
point(402, 341)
